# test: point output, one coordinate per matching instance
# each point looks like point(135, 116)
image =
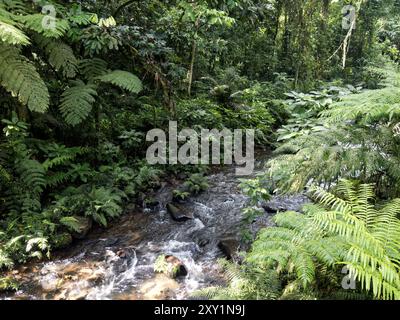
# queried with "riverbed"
point(118, 263)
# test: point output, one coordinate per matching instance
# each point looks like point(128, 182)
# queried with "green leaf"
point(76, 102)
point(19, 77)
point(124, 80)
point(12, 35)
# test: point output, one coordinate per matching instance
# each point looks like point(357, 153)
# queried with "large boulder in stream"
point(160, 287)
point(171, 266)
point(178, 213)
point(85, 224)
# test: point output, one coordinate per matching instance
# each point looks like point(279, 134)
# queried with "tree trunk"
point(22, 112)
point(193, 57)
point(190, 76)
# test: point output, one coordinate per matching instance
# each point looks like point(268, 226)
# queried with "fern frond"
point(59, 160)
point(5, 176)
point(20, 78)
point(123, 79)
point(92, 68)
point(50, 27)
point(60, 56)
point(347, 229)
point(56, 179)
point(33, 175)
point(77, 101)
point(5, 260)
point(211, 293)
point(14, 6)
point(71, 223)
point(10, 34)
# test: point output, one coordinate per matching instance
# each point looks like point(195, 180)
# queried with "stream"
point(118, 263)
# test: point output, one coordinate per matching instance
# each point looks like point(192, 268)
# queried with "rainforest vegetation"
point(82, 82)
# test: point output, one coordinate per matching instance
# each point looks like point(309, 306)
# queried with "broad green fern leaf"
point(60, 55)
point(48, 26)
point(71, 223)
point(76, 102)
point(12, 35)
point(32, 175)
point(14, 6)
point(124, 80)
point(92, 68)
point(20, 78)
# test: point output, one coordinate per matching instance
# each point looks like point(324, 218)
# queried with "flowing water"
point(118, 263)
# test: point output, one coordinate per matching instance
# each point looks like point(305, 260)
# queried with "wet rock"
point(270, 207)
point(135, 236)
point(96, 277)
point(110, 242)
point(203, 242)
point(178, 200)
point(85, 224)
point(177, 266)
point(70, 269)
point(93, 275)
point(285, 203)
point(178, 213)
point(78, 295)
point(72, 292)
point(229, 247)
point(160, 287)
point(171, 266)
point(151, 204)
point(69, 280)
point(202, 238)
point(49, 282)
point(121, 253)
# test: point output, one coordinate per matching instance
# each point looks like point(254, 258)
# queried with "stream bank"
point(118, 263)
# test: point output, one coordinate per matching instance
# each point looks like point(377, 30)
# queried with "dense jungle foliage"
point(82, 82)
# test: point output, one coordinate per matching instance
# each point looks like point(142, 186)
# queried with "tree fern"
point(20, 78)
point(285, 249)
point(369, 106)
point(345, 229)
point(77, 101)
point(374, 237)
point(124, 80)
point(370, 154)
point(359, 141)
